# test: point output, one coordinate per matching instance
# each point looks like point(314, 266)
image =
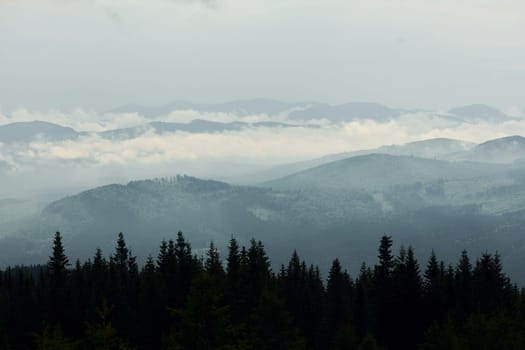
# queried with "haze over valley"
point(302, 172)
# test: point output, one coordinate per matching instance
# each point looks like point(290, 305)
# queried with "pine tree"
point(102, 335)
point(163, 257)
point(338, 301)
point(213, 265)
point(233, 262)
point(58, 274)
point(384, 293)
point(185, 268)
point(362, 304)
point(294, 282)
point(407, 294)
point(121, 256)
point(434, 289)
point(99, 263)
point(463, 285)
point(58, 262)
point(149, 266)
point(384, 270)
point(258, 267)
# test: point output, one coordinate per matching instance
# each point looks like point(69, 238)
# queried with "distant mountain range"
point(240, 108)
point(479, 112)
point(26, 132)
point(347, 112)
point(504, 150)
point(194, 126)
point(297, 114)
point(312, 110)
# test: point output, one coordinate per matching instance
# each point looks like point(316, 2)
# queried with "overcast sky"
point(98, 54)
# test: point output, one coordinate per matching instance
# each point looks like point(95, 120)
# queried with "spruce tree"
point(58, 274)
point(384, 293)
point(99, 263)
point(464, 285)
point(185, 268)
point(58, 262)
point(434, 289)
point(213, 265)
point(383, 271)
point(338, 300)
point(120, 258)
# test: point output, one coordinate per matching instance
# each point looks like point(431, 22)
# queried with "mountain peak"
point(32, 130)
point(479, 112)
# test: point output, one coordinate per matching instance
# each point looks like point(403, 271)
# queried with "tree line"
point(179, 300)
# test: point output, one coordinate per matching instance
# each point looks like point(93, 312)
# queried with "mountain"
point(503, 150)
point(479, 112)
point(376, 171)
point(240, 107)
point(346, 112)
point(438, 148)
point(297, 111)
point(339, 208)
point(21, 132)
point(206, 126)
point(194, 126)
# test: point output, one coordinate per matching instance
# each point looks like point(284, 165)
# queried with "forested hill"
point(179, 300)
point(473, 206)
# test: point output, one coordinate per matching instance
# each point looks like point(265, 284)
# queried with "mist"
point(91, 159)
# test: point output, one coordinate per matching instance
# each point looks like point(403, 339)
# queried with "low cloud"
point(93, 160)
point(255, 144)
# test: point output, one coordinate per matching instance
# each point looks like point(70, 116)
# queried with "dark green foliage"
point(339, 293)
point(407, 299)
point(183, 302)
point(58, 274)
point(58, 262)
point(385, 323)
point(52, 338)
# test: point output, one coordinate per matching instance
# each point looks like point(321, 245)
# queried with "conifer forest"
point(179, 300)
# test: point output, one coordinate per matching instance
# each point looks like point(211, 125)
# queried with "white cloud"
point(254, 144)
point(92, 160)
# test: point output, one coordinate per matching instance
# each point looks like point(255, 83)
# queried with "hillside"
point(479, 112)
point(503, 150)
point(33, 131)
point(438, 148)
point(376, 171)
point(444, 205)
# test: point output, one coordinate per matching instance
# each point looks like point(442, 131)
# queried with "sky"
point(98, 54)
point(70, 61)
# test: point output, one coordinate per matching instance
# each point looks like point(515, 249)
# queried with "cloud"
point(452, 52)
point(87, 121)
point(260, 144)
point(90, 160)
point(79, 120)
